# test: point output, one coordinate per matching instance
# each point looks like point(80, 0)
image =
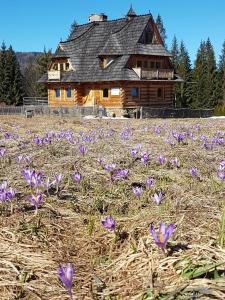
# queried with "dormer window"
point(60, 65)
point(107, 61)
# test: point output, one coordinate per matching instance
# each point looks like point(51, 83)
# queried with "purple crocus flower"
point(222, 165)
point(163, 235)
point(109, 223)
point(58, 178)
point(2, 152)
point(221, 175)
point(137, 191)
point(120, 174)
point(158, 197)
point(77, 177)
point(66, 276)
point(36, 201)
point(194, 172)
point(133, 152)
point(150, 182)
point(175, 162)
point(144, 158)
point(161, 159)
point(83, 149)
point(109, 167)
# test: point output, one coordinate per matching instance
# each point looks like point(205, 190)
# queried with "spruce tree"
point(42, 67)
point(200, 78)
point(161, 29)
point(184, 92)
point(221, 77)
point(72, 26)
point(175, 53)
point(211, 77)
point(3, 87)
point(11, 81)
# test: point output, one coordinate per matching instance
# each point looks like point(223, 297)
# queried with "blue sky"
point(30, 25)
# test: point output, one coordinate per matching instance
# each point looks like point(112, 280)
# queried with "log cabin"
point(119, 63)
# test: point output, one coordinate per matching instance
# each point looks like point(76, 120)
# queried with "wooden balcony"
point(154, 73)
point(54, 75)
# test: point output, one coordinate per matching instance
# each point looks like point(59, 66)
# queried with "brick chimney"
point(97, 18)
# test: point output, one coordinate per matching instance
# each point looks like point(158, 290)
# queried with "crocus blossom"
point(158, 197)
point(76, 177)
point(65, 274)
point(150, 182)
point(161, 238)
point(36, 201)
point(137, 191)
point(109, 223)
point(194, 172)
point(161, 160)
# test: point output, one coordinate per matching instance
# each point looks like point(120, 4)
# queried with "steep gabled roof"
point(119, 38)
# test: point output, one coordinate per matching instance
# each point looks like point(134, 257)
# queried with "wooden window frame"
point(105, 88)
point(55, 91)
point(138, 94)
point(139, 62)
point(162, 97)
point(71, 92)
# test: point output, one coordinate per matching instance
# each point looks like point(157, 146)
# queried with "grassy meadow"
point(60, 178)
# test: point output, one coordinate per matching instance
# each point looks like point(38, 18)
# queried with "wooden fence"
point(79, 111)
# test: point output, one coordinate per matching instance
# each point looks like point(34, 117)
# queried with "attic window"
point(67, 66)
point(107, 61)
point(55, 67)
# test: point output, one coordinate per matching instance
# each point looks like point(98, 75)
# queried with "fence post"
point(141, 112)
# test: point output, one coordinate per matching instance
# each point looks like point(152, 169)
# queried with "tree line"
point(14, 85)
point(203, 83)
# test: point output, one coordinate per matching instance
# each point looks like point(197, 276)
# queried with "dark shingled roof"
point(89, 42)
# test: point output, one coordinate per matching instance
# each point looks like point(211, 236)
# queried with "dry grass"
point(68, 229)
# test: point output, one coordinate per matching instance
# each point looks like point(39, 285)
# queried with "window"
point(68, 92)
point(160, 93)
point(105, 93)
point(107, 61)
point(139, 64)
point(61, 67)
point(57, 92)
point(158, 65)
point(67, 66)
point(115, 91)
point(135, 92)
point(55, 67)
point(152, 65)
point(145, 65)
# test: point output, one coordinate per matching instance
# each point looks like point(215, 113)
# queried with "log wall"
point(92, 93)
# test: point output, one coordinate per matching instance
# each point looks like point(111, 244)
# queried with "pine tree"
point(184, 94)
point(42, 67)
point(221, 77)
point(11, 78)
point(211, 77)
point(3, 87)
point(175, 53)
point(72, 26)
point(200, 78)
point(161, 29)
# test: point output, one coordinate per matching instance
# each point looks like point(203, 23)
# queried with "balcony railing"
point(154, 73)
point(54, 75)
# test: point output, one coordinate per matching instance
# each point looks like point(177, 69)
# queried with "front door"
point(89, 99)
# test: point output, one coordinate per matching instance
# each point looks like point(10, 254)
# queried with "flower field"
point(112, 209)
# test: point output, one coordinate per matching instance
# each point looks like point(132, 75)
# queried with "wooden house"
point(116, 64)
